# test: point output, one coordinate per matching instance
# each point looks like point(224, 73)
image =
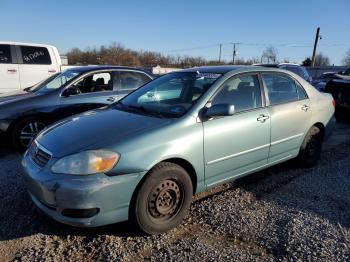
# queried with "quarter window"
point(35, 55)
point(131, 80)
point(282, 89)
point(5, 54)
point(243, 92)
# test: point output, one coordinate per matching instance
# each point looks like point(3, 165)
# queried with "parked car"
point(340, 90)
point(295, 68)
point(24, 64)
point(346, 72)
point(144, 157)
point(320, 83)
point(23, 114)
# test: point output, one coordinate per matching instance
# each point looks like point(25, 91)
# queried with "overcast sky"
point(184, 27)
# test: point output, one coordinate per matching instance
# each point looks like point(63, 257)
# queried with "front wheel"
point(311, 148)
point(25, 131)
point(163, 199)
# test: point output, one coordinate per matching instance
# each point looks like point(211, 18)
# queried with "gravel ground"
point(282, 213)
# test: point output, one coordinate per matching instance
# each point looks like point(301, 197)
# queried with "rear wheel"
point(163, 199)
point(311, 148)
point(26, 130)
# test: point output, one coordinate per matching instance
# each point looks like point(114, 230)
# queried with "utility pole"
point(220, 54)
point(234, 53)
point(315, 46)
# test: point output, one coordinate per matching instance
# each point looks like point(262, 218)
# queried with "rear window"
point(5, 54)
point(35, 55)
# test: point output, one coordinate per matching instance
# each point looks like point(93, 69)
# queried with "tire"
point(163, 200)
point(311, 148)
point(25, 131)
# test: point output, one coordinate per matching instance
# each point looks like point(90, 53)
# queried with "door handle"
point(111, 99)
point(305, 107)
point(262, 118)
point(11, 70)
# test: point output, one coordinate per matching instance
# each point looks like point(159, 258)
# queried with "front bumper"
point(54, 194)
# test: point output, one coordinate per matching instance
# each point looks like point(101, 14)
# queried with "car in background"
point(23, 114)
point(25, 64)
point(339, 87)
point(295, 68)
point(320, 82)
point(346, 72)
point(144, 157)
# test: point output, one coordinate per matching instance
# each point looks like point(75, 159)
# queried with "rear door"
point(35, 64)
point(290, 111)
point(9, 74)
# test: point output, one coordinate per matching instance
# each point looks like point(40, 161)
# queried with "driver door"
point(92, 91)
point(237, 144)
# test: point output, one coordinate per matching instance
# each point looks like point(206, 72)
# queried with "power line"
point(290, 45)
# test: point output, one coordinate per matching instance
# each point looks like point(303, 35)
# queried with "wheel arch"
point(175, 160)
point(321, 127)
point(21, 118)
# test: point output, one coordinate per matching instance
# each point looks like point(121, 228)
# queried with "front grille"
point(38, 155)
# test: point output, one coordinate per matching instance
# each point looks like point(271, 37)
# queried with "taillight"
point(333, 103)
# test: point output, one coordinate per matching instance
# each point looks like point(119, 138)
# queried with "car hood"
point(15, 96)
point(95, 129)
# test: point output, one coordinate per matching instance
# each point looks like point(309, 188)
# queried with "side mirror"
point(71, 91)
point(220, 110)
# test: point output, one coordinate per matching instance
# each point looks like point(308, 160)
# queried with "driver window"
point(243, 92)
point(97, 82)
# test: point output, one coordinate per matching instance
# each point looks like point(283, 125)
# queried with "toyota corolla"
point(144, 157)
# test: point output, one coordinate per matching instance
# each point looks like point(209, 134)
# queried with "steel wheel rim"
point(165, 200)
point(29, 132)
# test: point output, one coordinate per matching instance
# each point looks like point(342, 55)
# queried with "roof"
point(215, 69)
point(290, 64)
point(103, 67)
point(23, 43)
point(277, 65)
point(228, 68)
point(267, 65)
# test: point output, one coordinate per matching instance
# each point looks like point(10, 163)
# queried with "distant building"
point(64, 59)
point(158, 70)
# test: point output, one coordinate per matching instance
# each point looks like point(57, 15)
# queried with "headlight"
point(86, 163)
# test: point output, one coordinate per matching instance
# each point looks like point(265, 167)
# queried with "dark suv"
point(24, 114)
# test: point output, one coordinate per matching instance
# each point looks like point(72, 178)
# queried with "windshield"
point(55, 81)
point(171, 95)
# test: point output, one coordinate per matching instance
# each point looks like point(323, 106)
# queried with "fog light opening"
point(80, 213)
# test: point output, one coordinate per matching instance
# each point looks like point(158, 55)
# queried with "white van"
point(23, 65)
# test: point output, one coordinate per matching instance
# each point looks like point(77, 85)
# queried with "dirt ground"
point(282, 213)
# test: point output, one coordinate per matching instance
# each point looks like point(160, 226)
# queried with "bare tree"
point(346, 60)
point(117, 54)
point(321, 60)
point(270, 53)
point(307, 61)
